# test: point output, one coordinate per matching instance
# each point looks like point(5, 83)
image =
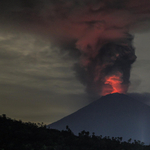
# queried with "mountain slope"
point(112, 115)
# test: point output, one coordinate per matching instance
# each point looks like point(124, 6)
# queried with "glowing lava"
point(113, 84)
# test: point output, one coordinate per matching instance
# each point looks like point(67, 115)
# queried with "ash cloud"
point(99, 30)
point(112, 59)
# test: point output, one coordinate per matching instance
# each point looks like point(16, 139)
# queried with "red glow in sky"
point(113, 84)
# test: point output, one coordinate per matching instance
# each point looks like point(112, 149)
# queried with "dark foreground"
point(16, 135)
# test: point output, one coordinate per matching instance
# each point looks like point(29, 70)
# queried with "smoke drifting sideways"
point(100, 30)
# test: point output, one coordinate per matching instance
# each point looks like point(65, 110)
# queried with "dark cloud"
point(80, 29)
point(87, 22)
point(88, 26)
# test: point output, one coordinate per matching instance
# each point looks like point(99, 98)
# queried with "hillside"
point(16, 135)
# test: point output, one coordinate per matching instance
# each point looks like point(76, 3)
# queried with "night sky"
point(39, 42)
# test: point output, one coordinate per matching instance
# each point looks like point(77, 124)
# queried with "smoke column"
point(100, 30)
point(109, 71)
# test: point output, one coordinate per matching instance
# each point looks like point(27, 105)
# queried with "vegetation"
point(16, 135)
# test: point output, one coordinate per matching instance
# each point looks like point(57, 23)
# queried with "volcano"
point(114, 115)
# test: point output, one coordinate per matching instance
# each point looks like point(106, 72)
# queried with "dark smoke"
point(100, 30)
point(112, 57)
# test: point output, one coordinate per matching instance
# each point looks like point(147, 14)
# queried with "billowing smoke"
point(109, 71)
point(100, 30)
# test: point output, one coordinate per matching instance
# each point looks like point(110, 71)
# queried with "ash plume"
point(113, 60)
point(100, 30)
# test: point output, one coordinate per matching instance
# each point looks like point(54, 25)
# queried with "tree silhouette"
point(16, 135)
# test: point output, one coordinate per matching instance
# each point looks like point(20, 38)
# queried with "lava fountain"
point(113, 84)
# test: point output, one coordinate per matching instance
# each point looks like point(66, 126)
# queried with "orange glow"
point(113, 84)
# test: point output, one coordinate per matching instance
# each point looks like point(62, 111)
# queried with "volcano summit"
point(114, 115)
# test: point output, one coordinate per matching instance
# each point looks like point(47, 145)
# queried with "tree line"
point(18, 135)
